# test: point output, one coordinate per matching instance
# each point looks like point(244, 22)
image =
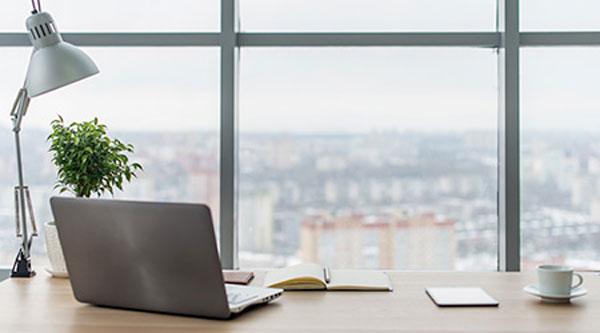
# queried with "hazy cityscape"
point(397, 200)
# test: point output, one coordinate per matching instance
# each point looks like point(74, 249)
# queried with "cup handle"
point(580, 280)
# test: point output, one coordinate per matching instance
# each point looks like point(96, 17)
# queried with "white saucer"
point(533, 290)
point(63, 275)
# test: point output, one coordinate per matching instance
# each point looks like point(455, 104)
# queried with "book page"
point(301, 276)
point(356, 279)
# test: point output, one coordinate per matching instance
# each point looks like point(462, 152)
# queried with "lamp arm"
point(17, 113)
point(19, 109)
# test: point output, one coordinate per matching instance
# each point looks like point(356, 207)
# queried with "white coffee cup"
point(557, 280)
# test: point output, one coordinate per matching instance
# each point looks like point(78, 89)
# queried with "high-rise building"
point(202, 186)
point(389, 241)
point(257, 209)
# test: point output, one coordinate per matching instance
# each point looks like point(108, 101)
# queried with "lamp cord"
point(36, 9)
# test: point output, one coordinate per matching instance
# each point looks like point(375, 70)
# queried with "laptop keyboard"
point(238, 295)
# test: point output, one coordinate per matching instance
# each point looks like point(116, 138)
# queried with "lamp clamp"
point(22, 266)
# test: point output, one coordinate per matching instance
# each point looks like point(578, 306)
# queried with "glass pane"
point(167, 109)
point(368, 157)
point(360, 15)
point(560, 157)
point(553, 15)
point(117, 15)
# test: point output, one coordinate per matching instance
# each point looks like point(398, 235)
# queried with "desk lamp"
point(53, 64)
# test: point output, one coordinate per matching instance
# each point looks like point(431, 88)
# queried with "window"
point(368, 130)
point(373, 15)
point(116, 15)
point(559, 15)
point(147, 97)
point(376, 157)
point(560, 154)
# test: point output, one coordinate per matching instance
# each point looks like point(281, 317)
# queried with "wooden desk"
point(47, 305)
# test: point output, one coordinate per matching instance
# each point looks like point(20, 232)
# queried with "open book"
point(312, 276)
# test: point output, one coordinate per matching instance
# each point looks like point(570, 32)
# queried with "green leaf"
point(89, 161)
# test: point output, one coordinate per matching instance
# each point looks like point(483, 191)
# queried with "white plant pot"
point(55, 254)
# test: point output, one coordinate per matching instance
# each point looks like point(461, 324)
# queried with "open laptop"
point(148, 256)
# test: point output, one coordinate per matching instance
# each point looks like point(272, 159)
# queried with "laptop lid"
point(142, 255)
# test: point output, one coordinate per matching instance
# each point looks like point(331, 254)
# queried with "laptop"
point(150, 256)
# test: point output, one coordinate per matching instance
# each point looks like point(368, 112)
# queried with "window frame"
point(507, 41)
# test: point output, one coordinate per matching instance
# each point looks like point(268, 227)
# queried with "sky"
point(314, 89)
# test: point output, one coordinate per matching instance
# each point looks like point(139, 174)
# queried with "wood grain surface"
point(45, 304)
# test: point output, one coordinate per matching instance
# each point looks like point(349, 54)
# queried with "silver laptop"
point(148, 256)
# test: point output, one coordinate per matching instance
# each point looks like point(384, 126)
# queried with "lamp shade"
point(54, 63)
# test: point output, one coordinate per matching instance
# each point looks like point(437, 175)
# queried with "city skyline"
point(284, 179)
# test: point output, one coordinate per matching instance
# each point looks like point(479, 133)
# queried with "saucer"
point(577, 292)
point(63, 275)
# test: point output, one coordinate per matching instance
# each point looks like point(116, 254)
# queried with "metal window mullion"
point(509, 252)
point(122, 39)
point(142, 39)
point(199, 39)
point(476, 39)
point(579, 38)
point(229, 133)
point(482, 39)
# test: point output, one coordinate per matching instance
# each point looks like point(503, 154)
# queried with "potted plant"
point(89, 162)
